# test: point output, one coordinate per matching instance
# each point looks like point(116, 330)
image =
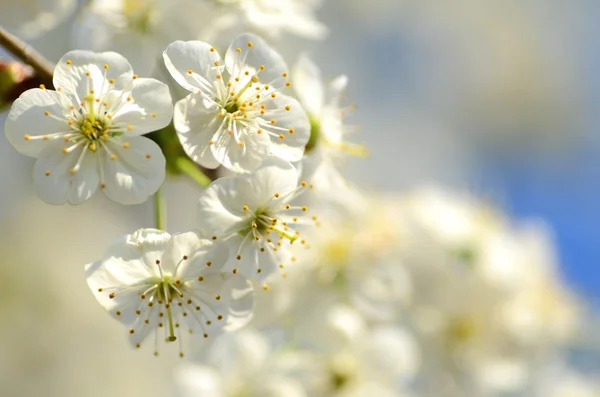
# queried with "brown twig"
point(43, 68)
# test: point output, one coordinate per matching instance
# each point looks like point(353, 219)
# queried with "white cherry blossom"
point(87, 134)
point(235, 114)
point(150, 280)
point(252, 212)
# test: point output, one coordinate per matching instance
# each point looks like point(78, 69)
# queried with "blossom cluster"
point(293, 282)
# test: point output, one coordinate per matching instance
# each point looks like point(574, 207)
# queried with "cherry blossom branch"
point(159, 210)
point(23, 51)
point(188, 167)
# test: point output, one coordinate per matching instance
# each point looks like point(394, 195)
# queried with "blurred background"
point(496, 98)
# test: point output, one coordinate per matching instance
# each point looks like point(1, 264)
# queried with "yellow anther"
point(111, 81)
point(273, 121)
point(288, 107)
point(273, 95)
point(266, 287)
point(245, 208)
point(125, 145)
point(87, 74)
point(153, 115)
point(47, 113)
point(250, 44)
point(113, 156)
point(135, 76)
point(217, 63)
point(262, 67)
point(304, 208)
point(303, 183)
point(148, 155)
point(72, 171)
point(238, 49)
point(281, 136)
point(47, 173)
point(190, 71)
point(43, 87)
point(129, 127)
point(288, 83)
point(284, 74)
point(69, 62)
point(291, 130)
point(212, 49)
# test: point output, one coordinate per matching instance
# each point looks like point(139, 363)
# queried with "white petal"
point(252, 58)
point(181, 57)
point(71, 77)
point(291, 147)
point(195, 126)
point(239, 298)
point(151, 108)
point(136, 173)
point(203, 256)
point(274, 176)
point(27, 116)
point(52, 178)
point(145, 245)
point(220, 210)
point(308, 85)
point(230, 154)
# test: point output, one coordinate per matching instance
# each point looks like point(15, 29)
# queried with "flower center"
point(139, 16)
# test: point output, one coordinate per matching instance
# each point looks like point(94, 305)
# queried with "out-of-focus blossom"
point(150, 280)
point(272, 17)
point(139, 29)
point(87, 134)
point(235, 115)
point(237, 364)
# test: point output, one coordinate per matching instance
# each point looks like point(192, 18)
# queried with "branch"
point(23, 51)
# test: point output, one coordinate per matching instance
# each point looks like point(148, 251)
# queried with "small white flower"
point(254, 215)
point(150, 280)
point(86, 134)
point(235, 115)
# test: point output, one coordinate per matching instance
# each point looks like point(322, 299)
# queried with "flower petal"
point(291, 129)
point(253, 53)
point(193, 65)
point(220, 210)
point(242, 155)
point(195, 125)
point(274, 176)
point(54, 182)
point(151, 108)
point(145, 245)
point(70, 73)
point(308, 85)
point(137, 171)
point(27, 117)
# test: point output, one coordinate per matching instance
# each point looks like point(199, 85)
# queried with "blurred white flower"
point(86, 134)
point(150, 280)
point(322, 103)
point(235, 114)
point(29, 19)
point(349, 358)
point(139, 29)
point(254, 215)
point(239, 364)
point(271, 17)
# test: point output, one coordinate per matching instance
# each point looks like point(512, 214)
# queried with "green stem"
point(23, 51)
point(159, 210)
point(188, 167)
